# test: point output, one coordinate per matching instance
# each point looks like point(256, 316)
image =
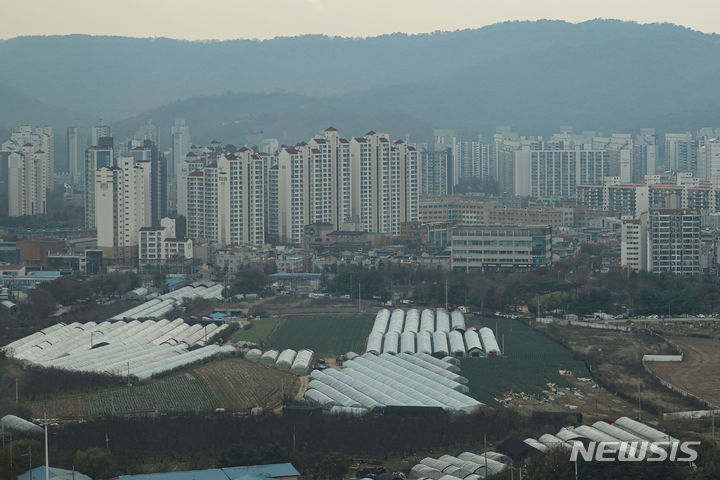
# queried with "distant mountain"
point(602, 75)
point(244, 118)
point(17, 108)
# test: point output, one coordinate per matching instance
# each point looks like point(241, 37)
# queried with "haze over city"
point(340, 239)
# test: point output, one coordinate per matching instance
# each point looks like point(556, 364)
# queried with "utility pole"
point(446, 295)
point(639, 414)
point(16, 390)
point(359, 299)
point(47, 455)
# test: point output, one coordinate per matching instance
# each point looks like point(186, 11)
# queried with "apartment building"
point(159, 245)
point(30, 169)
point(366, 180)
point(123, 204)
point(673, 241)
point(225, 200)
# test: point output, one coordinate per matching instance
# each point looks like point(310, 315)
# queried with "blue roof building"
point(277, 471)
point(38, 473)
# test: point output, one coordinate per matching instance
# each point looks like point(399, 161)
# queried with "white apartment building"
point(96, 157)
point(681, 152)
point(123, 206)
point(709, 162)
point(31, 158)
point(673, 241)
point(160, 244)
point(27, 181)
point(225, 203)
point(179, 148)
point(556, 173)
point(633, 250)
point(332, 180)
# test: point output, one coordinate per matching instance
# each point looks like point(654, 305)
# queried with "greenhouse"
point(442, 320)
point(457, 320)
point(397, 320)
point(117, 348)
point(427, 320)
point(424, 342)
point(374, 382)
point(440, 344)
point(412, 321)
point(302, 363)
point(392, 343)
point(285, 359)
point(269, 357)
point(472, 341)
point(381, 321)
point(407, 342)
point(457, 344)
point(490, 345)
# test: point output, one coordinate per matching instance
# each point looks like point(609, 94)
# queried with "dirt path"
point(699, 372)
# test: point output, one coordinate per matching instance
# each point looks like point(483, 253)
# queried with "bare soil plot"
point(70, 407)
point(615, 359)
point(240, 384)
point(699, 372)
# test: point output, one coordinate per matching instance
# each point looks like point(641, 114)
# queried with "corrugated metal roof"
point(58, 473)
point(253, 472)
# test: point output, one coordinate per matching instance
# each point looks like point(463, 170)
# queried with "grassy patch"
point(324, 334)
point(181, 393)
point(259, 332)
point(531, 359)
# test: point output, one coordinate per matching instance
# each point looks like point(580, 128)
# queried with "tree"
point(334, 466)
point(6, 471)
point(248, 280)
point(20, 451)
point(42, 303)
point(96, 462)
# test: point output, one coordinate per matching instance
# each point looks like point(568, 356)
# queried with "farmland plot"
point(240, 385)
point(324, 334)
point(181, 393)
point(531, 359)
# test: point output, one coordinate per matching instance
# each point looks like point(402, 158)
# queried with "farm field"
point(530, 361)
point(240, 384)
point(259, 332)
point(698, 372)
point(324, 334)
point(180, 393)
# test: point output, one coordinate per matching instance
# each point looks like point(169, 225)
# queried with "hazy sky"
point(226, 19)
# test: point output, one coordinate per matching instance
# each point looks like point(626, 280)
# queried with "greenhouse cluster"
point(159, 306)
point(623, 430)
point(466, 466)
point(433, 332)
point(372, 382)
point(297, 362)
point(135, 348)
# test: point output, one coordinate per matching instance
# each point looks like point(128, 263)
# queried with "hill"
point(602, 75)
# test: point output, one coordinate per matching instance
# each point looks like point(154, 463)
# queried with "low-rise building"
point(501, 246)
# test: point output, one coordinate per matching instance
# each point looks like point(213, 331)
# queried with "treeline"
point(206, 441)
point(323, 446)
point(573, 285)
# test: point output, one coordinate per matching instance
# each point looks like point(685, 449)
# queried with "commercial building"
point(501, 246)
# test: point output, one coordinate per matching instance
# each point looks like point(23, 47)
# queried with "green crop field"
point(180, 393)
point(324, 334)
point(531, 359)
point(259, 332)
